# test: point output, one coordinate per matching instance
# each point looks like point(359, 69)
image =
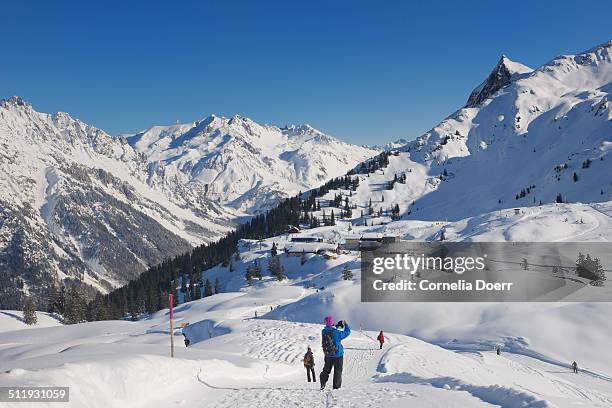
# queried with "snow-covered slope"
point(522, 133)
point(13, 320)
point(481, 324)
point(235, 360)
point(245, 165)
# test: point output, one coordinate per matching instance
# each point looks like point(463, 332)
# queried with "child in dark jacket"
point(309, 365)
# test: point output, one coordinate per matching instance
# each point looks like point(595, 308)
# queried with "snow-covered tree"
point(525, 264)
point(587, 267)
point(347, 274)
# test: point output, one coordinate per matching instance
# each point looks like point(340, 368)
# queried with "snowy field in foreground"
point(437, 354)
point(257, 362)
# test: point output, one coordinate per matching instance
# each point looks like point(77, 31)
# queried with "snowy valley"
point(82, 207)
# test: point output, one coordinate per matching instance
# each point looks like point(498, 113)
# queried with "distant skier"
point(575, 367)
point(334, 352)
point(381, 339)
point(498, 350)
point(187, 342)
point(309, 365)
point(256, 314)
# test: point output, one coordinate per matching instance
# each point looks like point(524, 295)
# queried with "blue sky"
point(367, 72)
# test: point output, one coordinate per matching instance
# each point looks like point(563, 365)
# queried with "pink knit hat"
point(329, 321)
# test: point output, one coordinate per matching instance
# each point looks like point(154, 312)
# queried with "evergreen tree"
point(589, 268)
point(217, 286)
point(248, 275)
point(276, 268)
point(96, 309)
point(192, 289)
point(56, 300)
point(183, 284)
point(332, 219)
point(257, 270)
point(141, 306)
point(76, 306)
point(151, 299)
point(347, 274)
point(174, 295)
point(525, 264)
point(575, 177)
point(29, 311)
point(208, 291)
point(162, 300)
point(132, 309)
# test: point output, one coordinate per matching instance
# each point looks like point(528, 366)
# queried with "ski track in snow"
point(286, 344)
point(364, 385)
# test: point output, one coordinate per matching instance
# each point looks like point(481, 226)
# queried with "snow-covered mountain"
point(244, 165)
point(77, 204)
point(524, 137)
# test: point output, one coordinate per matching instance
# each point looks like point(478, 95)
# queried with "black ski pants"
point(335, 363)
point(310, 373)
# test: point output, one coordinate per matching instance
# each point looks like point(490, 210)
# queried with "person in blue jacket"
point(334, 352)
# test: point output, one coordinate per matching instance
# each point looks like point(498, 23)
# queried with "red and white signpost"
point(171, 326)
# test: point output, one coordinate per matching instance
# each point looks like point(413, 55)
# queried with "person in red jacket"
point(381, 339)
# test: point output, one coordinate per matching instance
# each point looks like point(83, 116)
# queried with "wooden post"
point(171, 326)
